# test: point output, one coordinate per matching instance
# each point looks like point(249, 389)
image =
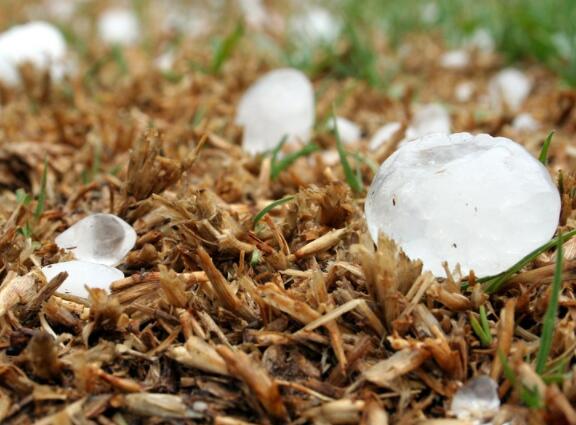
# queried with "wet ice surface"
point(81, 273)
point(476, 401)
point(281, 103)
point(98, 238)
point(37, 43)
point(483, 202)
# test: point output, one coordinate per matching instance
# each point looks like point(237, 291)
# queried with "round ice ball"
point(481, 201)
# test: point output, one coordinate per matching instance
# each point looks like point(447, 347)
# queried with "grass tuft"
point(543, 157)
point(482, 328)
point(278, 166)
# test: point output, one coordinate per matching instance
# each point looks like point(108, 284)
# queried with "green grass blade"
point(278, 166)
point(551, 312)
point(276, 152)
point(493, 284)
point(22, 198)
point(270, 207)
point(225, 48)
point(42, 195)
point(543, 157)
point(485, 339)
point(485, 325)
point(351, 178)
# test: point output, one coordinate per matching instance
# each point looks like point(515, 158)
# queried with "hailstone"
point(510, 87)
point(279, 104)
point(98, 238)
point(37, 43)
point(348, 131)
point(81, 274)
point(481, 201)
point(119, 26)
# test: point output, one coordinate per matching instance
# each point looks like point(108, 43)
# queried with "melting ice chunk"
point(481, 201)
point(281, 103)
point(477, 400)
point(37, 43)
point(348, 131)
point(98, 238)
point(119, 26)
point(81, 273)
point(509, 88)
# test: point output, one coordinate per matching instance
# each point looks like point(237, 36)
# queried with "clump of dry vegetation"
point(297, 318)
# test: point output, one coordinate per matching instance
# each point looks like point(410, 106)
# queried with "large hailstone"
point(281, 103)
point(483, 202)
point(37, 43)
point(98, 238)
point(81, 274)
point(119, 26)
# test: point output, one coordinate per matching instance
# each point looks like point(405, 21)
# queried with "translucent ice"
point(477, 400)
point(98, 238)
point(281, 103)
point(477, 200)
point(82, 273)
point(509, 88)
point(348, 131)
point(119, 26)
point(37, 43)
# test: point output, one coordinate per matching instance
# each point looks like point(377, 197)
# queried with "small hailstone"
point(281, 103)
point(482, 40)
point(509, 87)
point(464, 91)
point(427, 119)
point(481, 201)
point(429, 12)
point(384, 134)
point(98, 238)
point(254, 12)
point(165, 61)
point(38, 43)
point(477, 400)
point(455, 59)
point(348, 131)
point(82, 273)
point(316, 25)
point(119, 26)
point(525, 122)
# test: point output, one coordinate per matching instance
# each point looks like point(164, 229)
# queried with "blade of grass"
point(494, 283)
point(543, 157)
point(551, 312)
point(351, 178)
point(225, 48)
point(22, 197)
point(485, 325)
point(42, 194)
point(485, 338)
point(276, 151)
point(270, 207)
point(278, 166)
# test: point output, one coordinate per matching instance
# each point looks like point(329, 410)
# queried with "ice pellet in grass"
point(427, 119)
point(281, 103)
point(509, 88)
point(384, 134)
point(81, 273)
point(476, 401)
point(348, 131)
point(119, 26)
point(98, 238)
point(481, 201)
point(455, 59)
point(37, 43)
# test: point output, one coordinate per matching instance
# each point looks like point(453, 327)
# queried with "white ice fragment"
point(254, 12)
point(509, 88)
point(455, 59)
point(281, 103)
point(82, 273)
point(165, 61)
point(315, 25)
point(464, 91)
point(37, 43)
point(481, 201)
point(525, 122)
point(98, 238)
point(477, 400)
point(119, 26)
point(482, 40)
point(427, 119)
point(348, 131)
point(384, 134)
